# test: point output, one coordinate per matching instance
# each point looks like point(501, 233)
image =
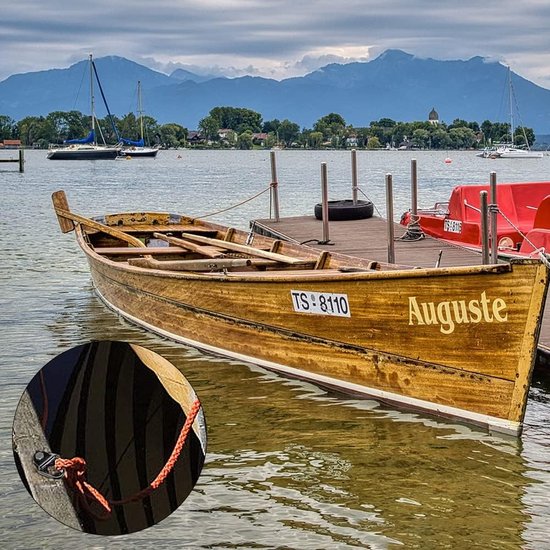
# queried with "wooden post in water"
point(274, 187)
point(484, 227)
point(21, 160)
point(389, 218)
point(493, 214)
point(324, 200)
point(354, 176)
point(414, 189)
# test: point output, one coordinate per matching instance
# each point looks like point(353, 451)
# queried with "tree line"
point(245, 129)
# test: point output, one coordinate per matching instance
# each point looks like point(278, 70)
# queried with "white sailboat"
point(511, 151)
point(86, 148)
point(138, 148)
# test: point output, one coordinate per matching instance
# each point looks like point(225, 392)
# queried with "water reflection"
point(289, 465)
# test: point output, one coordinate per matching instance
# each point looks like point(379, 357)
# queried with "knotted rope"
point(75, 475)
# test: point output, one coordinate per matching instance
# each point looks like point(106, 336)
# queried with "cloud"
point(278, 38)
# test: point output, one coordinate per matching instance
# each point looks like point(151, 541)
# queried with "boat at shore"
point(458, 342)
point(87, 148)
point(523, 219)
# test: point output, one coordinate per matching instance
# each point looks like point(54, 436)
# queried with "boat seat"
point(138, 250)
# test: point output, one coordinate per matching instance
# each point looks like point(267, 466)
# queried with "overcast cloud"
point(273, 38)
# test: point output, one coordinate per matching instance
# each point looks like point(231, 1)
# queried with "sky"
point(272, 38)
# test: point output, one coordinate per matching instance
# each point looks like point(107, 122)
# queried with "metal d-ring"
point(45, 464)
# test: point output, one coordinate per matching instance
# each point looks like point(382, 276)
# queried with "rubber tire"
point(346, 210)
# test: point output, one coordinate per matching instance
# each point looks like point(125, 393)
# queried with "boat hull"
point(68, 153)
point(139, 152)
point(399, 344)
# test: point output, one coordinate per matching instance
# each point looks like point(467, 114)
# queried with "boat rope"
point(365, 195)
point(414, 231)
point(234, 205)
point(544, 257)
point(74, 471)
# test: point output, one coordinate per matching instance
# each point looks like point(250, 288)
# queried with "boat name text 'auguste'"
point(457, 312)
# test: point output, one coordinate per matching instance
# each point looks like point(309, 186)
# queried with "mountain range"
point(395, 85)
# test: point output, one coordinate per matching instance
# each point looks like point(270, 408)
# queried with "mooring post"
point(21, 160)
point(414, 190)
point(389, 218)
point(484, 227)
point(354, 176)
point(324, 200)
point(274, 187)
point(493, 214)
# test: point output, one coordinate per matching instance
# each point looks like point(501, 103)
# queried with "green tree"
point(210, 126)
point(332, 126)
point(172, 135)
point(271, 126)
point(288, 132)
point(421, 138)
point(68, 125)
point(237, 118)
point(373, 143)
point(315, 140)
point(462, 138)
point(7, 127)
point(244, 140)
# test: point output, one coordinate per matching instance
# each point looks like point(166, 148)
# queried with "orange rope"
point(75, 474)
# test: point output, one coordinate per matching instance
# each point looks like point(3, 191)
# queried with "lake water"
point(288, 465)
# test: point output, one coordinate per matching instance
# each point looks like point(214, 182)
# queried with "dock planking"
point(368, 239)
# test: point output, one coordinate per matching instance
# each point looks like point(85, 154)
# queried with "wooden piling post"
point(493, 214)
point(484, 227)
point(414, 189)
point(354, 176)
point(21, 160)
point(274, 187)
point(324, 201)
point(389, 218)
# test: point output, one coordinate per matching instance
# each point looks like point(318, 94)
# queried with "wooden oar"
point(245, 249)
point(191, 265)
point(66, 219)
point(188, 245)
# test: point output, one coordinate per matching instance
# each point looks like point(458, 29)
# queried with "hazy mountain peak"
point(395, 85)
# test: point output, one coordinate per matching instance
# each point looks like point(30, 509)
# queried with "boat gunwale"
point(306, 274)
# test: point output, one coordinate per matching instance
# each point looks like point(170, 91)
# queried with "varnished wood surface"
point(367, 239)
point(483, 367)
point(28, 438)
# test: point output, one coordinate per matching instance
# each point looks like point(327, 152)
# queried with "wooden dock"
point(368, 239)
point(20, 160)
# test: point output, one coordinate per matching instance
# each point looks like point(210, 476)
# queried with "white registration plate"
point(320, 303)
point(452, 226)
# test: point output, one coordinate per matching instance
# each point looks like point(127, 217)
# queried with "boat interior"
point(176, 243)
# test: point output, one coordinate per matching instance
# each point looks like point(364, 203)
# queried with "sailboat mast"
point(510, 91)
point(92, 100)
point(140, 110)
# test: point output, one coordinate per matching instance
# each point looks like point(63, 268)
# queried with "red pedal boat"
point(523, 222)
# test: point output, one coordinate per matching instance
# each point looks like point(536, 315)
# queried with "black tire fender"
point(346, 210)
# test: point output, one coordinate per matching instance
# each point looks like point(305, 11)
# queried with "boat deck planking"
point(368, 239)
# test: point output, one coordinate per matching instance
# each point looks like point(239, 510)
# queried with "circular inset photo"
point(109, 438)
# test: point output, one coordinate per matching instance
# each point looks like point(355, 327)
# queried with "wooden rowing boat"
point(458, 342)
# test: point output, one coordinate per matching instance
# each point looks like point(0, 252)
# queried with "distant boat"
point(138, 148)
point(511, 151)
point(86, 148)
